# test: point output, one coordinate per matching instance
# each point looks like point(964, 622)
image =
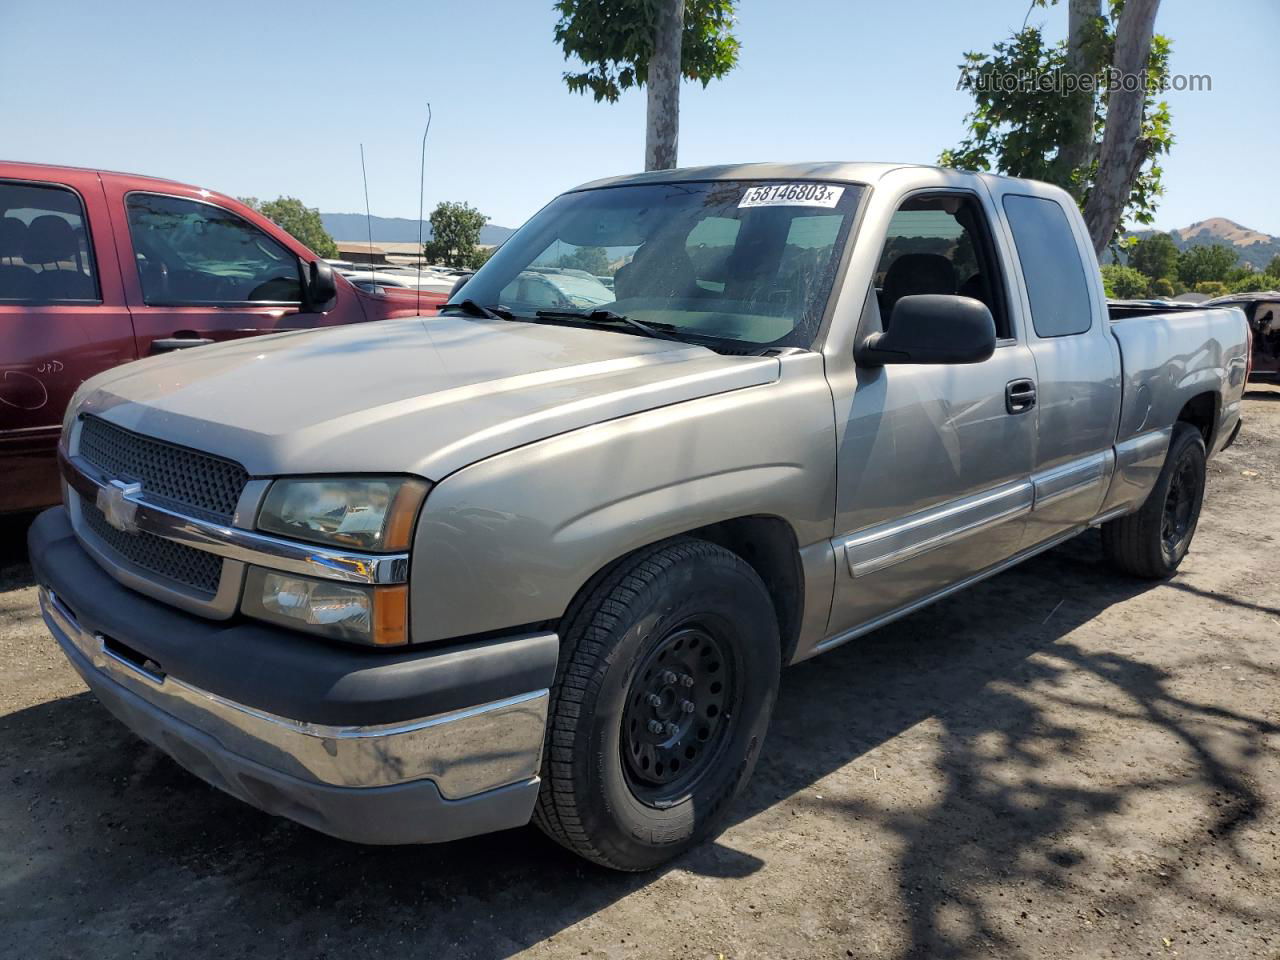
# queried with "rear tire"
point(666, 683)
point(1152, 542)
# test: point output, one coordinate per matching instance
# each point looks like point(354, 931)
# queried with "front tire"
point(1152, 542)
point(666, 683)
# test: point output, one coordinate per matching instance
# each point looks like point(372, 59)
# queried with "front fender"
point(510, 540)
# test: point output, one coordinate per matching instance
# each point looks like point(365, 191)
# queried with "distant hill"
point(352, 226)
point(1254, 247)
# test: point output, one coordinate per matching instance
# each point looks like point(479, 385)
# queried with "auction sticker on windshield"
point(791, 195)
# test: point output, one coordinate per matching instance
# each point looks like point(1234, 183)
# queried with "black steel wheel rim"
point(1179, 506)
point(680, 712)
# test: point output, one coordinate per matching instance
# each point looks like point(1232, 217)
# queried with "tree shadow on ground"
point(15, 572)
point(108, 824)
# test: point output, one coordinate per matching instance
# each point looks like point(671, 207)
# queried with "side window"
point(940, 243)
point(45, 255)
point(1056, 282)
point(193, 253)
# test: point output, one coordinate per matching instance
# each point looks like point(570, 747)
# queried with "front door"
point(934, 461)
point(200, 273)
point(62, 319)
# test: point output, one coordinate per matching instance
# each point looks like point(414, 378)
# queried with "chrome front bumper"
point(454, 774)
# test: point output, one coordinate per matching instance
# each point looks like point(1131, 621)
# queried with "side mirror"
point(932, 328)
point(321, 288)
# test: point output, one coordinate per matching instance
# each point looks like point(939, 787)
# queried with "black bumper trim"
point(412, 812)
point(280, 671)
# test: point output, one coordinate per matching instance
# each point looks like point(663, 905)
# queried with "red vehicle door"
point(63, 318)
point(200, 267)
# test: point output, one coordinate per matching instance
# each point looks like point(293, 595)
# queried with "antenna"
point(368, 219)
point(422, 175)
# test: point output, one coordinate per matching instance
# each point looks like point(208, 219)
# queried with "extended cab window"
point(192, 253)
point(44, 249)
point(940, 243)
point(1056, 282)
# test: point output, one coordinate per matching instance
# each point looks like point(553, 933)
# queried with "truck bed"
point(1171, 354)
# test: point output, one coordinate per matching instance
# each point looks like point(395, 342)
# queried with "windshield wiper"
point(660, 331)
point(494, 312)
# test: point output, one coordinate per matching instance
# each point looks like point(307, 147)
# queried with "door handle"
point(1019, 395)
point(177, 343)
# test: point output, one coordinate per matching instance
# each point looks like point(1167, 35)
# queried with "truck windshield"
point(735, 261)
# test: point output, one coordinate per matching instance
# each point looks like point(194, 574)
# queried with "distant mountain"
point(352, 226)
point(1254, 247)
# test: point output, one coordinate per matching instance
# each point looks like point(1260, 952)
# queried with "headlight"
point(342, 611)
point(368, 513)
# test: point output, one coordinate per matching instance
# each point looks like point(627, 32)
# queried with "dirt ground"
point(1059, 762)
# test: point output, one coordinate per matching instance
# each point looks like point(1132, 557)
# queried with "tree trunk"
point(662, 135)
point(1076, 151)
point(1122, 153)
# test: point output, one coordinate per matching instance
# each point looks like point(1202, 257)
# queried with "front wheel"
point(666, 683)
point(1152, 542)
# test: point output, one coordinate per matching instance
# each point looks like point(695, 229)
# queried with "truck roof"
point(37, 172)
point(848, 171)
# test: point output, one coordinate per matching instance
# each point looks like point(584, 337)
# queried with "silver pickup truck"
point(542, 558)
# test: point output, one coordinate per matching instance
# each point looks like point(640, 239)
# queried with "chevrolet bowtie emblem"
point(117, 507)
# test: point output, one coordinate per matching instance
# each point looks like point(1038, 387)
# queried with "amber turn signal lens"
point(390, 616)
point(403, 514)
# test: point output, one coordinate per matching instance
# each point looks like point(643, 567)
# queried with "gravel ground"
point(1058, 762)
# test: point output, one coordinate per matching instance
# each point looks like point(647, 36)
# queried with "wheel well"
point(1201, 411)
point(768, 545)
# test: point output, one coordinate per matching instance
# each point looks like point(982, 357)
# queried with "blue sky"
point(265, 97)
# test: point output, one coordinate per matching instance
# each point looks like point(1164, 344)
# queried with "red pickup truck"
point(98, 268)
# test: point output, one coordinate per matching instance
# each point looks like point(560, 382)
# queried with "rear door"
point(196, 272)
point(63, 319)
point(1077, 359)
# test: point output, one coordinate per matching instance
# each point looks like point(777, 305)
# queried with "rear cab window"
point(1057, 285)
point(45, 252)
point(191, 253)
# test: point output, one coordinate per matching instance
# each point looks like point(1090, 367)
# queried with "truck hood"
point(420, 395)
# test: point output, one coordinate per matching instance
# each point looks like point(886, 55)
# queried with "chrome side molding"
point(884, 545)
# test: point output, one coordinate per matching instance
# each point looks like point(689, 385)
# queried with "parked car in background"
point(1262, 309)
point(98, 268)
point(530, 561)
point(560, 288)
point(378, 279)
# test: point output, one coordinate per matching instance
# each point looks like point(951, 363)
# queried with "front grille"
point(186, 478)
point(190, 568)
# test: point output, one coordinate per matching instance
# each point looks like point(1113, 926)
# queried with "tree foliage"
point(1207, 263)
point(297, 219)
point(594, 260)
point(1267, 280)
point(1124, 283)
point(1045, 125)
point(614, 39)
point(455, 233)
point(1155, 255)
point(1211, 288)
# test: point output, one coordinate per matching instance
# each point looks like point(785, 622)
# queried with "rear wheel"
point(663, 694)
point(1152, 542)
